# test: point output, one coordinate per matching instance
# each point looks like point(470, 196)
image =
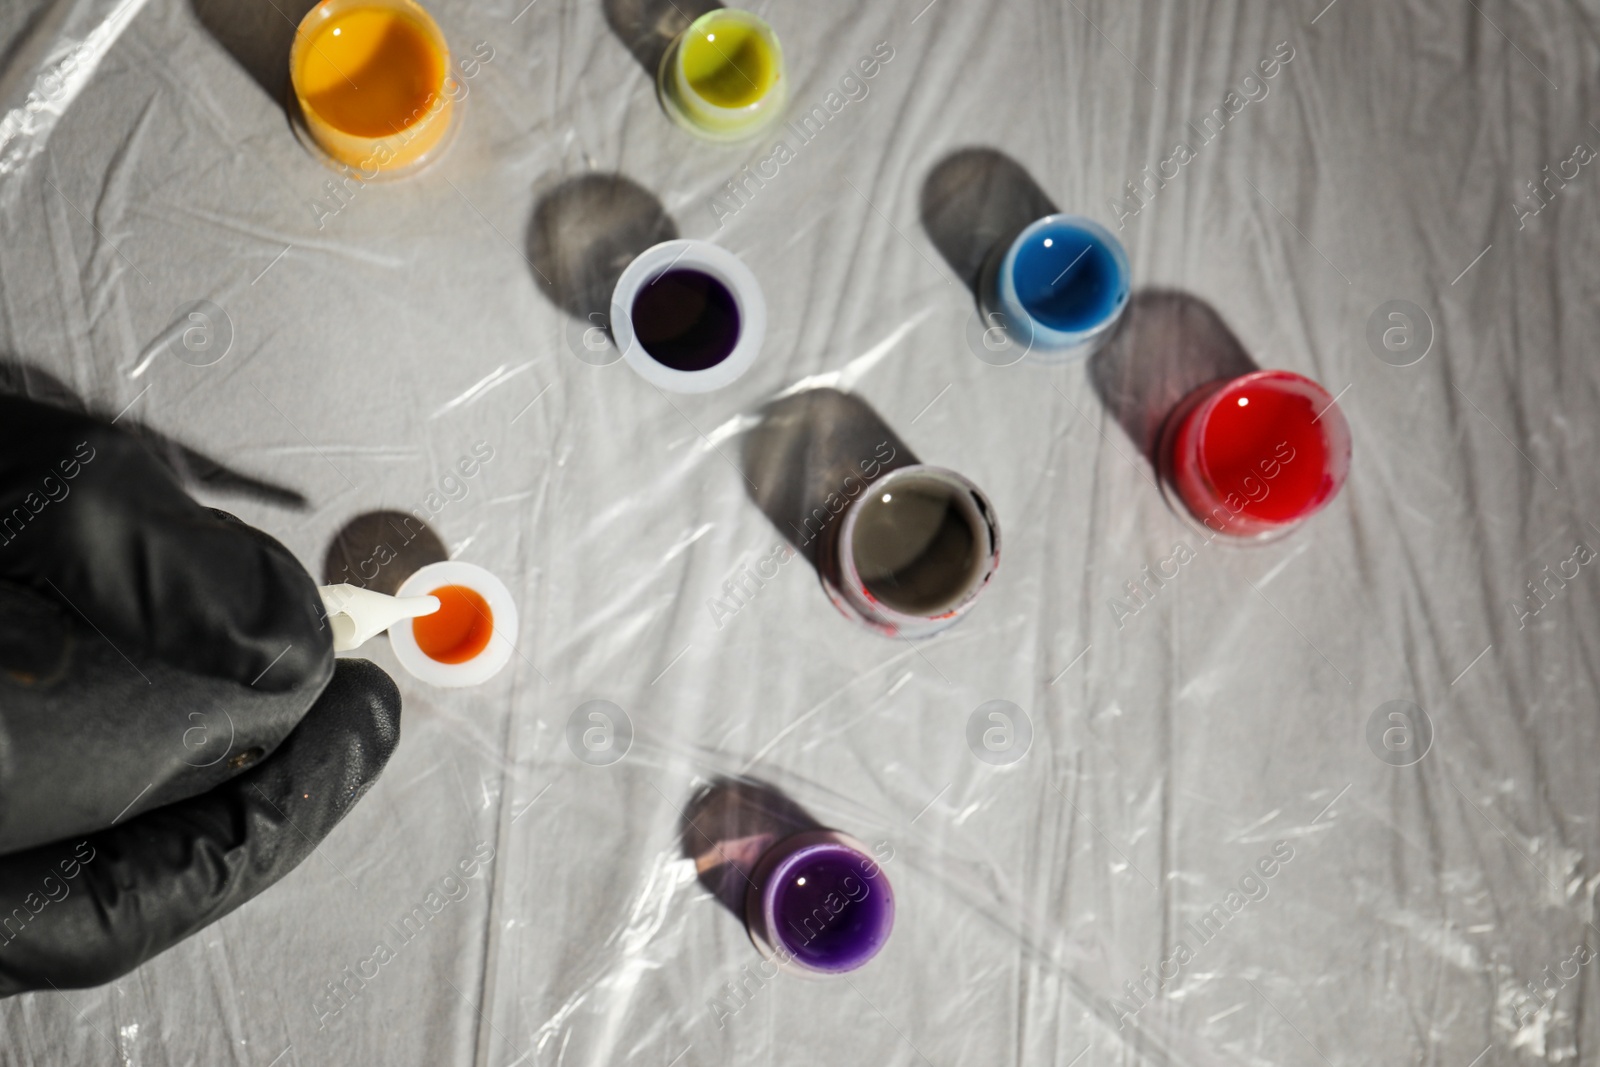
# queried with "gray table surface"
point(145, 163)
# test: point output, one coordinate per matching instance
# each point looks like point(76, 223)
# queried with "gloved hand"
point(174, 735)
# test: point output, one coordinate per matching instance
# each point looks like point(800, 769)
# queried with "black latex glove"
point(153, 655)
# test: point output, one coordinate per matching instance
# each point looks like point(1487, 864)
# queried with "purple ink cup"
point(688, 316)
point(686, 320)
point(819, 904)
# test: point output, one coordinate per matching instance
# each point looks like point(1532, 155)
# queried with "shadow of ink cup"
point(469, 639)
point(689, 316)
point(914, 551)
point(723, 78)
point(819, 904)
point(1253, 457)
point(372, 82)
point(1059, 287)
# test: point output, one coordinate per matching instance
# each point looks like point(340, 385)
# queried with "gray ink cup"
point(914, 551)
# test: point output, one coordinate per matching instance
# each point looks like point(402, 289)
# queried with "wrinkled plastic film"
point(1192, 712)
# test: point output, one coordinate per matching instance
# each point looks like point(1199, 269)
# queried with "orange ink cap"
point(373, 85)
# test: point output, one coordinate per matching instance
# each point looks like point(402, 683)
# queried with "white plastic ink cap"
point(717, 363)
point(495, 654)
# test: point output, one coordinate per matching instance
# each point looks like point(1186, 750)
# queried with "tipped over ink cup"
point(1059, 288)
point(1254, 457)
point(819, 904)
point(915, 550)
point(689, 316)
point(469, 639)
point(722, 79)
point(372, 82)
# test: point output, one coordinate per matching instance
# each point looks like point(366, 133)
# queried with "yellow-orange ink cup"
point(723, 78)
point(372, 78)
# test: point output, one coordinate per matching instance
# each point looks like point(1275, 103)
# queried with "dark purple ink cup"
point(689, 316)
point(819, 904)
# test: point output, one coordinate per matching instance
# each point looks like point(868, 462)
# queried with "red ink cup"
point(819, 904)
point(1255, 456)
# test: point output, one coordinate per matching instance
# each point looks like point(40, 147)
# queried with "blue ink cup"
point(1060, 288)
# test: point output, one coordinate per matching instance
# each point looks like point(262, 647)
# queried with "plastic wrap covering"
point(1201, 832)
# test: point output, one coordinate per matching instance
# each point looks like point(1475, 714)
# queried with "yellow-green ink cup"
point(723, 78)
